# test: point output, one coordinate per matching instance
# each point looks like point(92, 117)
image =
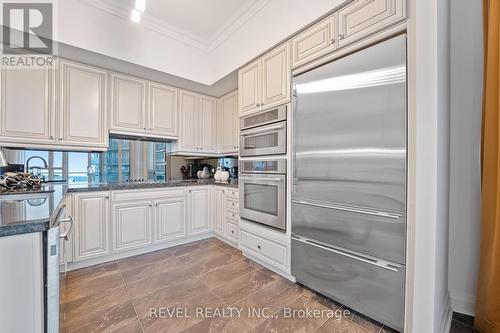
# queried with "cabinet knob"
point(258, 246)
point(232, 231)
point(332, 41)
point(258, 104)
point(341, 36)
point(52, 137)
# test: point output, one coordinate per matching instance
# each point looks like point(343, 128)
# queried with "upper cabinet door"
point(128, 103)
point(276, 74)
point(208, 124)
point(228, 123)
point(27, 108)
point(365, 17)
point(249, 87)
point(189, 121)
point(82, 109)
point(314, 42)
point(163, 110)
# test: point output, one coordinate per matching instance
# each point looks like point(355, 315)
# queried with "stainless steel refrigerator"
point(349, 180)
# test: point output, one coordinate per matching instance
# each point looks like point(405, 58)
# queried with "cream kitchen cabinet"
point(199, 210)
point(314, 42)
point(91, 225)
point(170, 219)
point(128, 104)
point(64, 108)
point(131, 224)
point(363, 18)
point(228, 123)
point(208, 124)
point(27, 106)
point(82, 106)
point(163, 106)
point(198, 114)
point(143, 108)
point(218, 209)
point(265, 82)
point(225, 213)
point(249, 87)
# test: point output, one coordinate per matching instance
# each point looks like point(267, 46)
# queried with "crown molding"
point(232, 25)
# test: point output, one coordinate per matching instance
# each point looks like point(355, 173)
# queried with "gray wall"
point(465, 138)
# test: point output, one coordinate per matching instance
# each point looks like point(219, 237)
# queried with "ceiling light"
point(135, 16)
point(140, 5)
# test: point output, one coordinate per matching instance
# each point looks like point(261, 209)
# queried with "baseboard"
point(463, 303)
point(446, 316)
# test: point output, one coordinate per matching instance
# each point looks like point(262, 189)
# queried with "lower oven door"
point(262, 199)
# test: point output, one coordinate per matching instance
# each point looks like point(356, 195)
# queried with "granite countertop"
point(135, 186)
point(34, 211)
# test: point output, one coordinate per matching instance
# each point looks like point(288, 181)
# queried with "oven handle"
point(262, 130)
point(262, 178)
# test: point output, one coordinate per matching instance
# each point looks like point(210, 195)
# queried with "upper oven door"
point(262, 199)
point(264, 140)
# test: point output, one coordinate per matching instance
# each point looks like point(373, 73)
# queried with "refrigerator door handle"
point(348, 209)
point(379, 263)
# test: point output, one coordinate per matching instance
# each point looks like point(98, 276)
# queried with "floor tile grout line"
point(130, 297)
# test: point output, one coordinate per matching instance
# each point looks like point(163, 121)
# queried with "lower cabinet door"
point(170, 219)
point(131, 225)
point(199, 221)
point(91, 229)
point(218, 210)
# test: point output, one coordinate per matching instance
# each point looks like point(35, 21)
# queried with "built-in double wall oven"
point(263, 167)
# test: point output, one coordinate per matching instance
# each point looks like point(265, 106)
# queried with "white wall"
point(465, 173)
point(87, 27)
point(428, 166)
point(278, 20)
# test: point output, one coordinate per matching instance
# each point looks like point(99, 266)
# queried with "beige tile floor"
point(181, 288)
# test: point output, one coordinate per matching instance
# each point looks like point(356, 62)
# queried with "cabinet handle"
point(52, 137)
point(106, 197)
point(150, 205)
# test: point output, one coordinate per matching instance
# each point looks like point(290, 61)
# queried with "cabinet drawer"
point(314, 42)
point(271, 252)
point(232, 193)
point(232, 204)
point(363, 18)
point(231, 214)
point(232, 231)
point(373, 289)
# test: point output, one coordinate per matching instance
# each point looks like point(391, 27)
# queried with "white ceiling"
point(201, 23)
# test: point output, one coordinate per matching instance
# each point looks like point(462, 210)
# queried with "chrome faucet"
point(27, 167)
